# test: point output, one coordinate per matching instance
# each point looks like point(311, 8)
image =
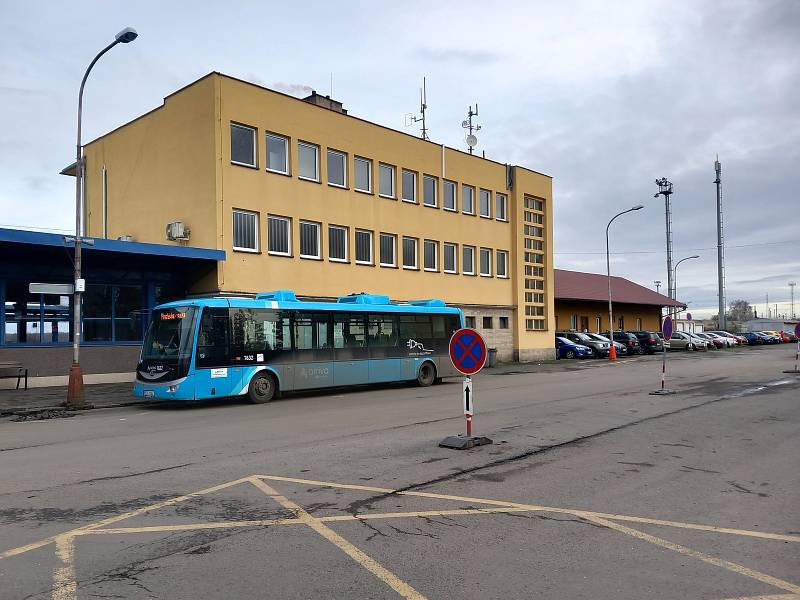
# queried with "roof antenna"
point(331, 94)
point(471, 140)
point(423, 106)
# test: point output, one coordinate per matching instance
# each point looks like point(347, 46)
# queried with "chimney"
point(325, 102)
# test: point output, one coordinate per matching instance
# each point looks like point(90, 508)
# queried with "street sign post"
point(666, 331)
point(468, 354)
point(796, 369)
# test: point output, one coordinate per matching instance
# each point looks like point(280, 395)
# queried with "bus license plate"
point(149, 394)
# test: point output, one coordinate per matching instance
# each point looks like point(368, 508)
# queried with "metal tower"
point(791, 291)
point(720, 246)
point(665, 189)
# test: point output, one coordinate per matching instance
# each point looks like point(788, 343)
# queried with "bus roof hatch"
point(277, 295)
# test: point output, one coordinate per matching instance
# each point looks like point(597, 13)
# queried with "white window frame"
point(254, 131)
point(464, 248)
point(393, 171)
point(488, 262)
point(288, 222)
point(403, 187)
point(497, 201)
point(361, 159)
point(488, 204)
point(435, 267)
point(233, 236)
point(463, 210)
point(371, 234)
point(455, 195)
point(435, 191)
point(318, 226)
point(285, 139)
point(315, 148)
point(455, 257)
point(393, 237)
point(504, 254)
point(344, 167)
point(415, 267)
point(346, 244)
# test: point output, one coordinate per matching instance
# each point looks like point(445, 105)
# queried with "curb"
point(21, 410)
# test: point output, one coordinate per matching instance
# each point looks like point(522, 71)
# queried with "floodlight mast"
point(665, 189)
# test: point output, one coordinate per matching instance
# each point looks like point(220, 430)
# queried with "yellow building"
point(300, 195)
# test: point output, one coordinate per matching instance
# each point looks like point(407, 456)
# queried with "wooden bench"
point(9, 370)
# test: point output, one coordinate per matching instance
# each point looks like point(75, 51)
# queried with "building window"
point(486, 262)
point(502, 263)
point(363, 169)
point(573, 322)
point(638, 324)
point(486, 204)
point(386, 181)
point(534, 244)
point(449, 202)
point(410, 253)
point(337, 243)
point(503, 322)
point(598, 324)
point(534, 324)
point(245, 231)
point(308, 161)
point(309, 239)
point(534, 297)
point(538, 311)
point(501, 207)
point(429, 186)
point(243, 145)
point(279, 235)
point(469, 322)
point(430, 251)
point(277, 154)
point(450, 251)
point(388, 250)
point(337, 168)
point(534, 204)
point(534, 284)
point(533, 231)
point(363, 247)
point(110, 314)
point(487, 323)
point(468, 199)
point(409, 186)
point(468, 261)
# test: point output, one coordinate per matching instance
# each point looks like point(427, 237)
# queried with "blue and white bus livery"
point(218, 347)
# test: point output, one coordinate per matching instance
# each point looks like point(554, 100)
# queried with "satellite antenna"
point(471, 140)
point(423, 106)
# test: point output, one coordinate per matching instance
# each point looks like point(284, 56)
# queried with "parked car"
point(663, 341)
point(699, 343)
point(630, 341)
point(776, 334)
point(649, 341)
point(768, 338)
point(727, 342)
point(599, 348)
point(784, 335)
point(738, 337)
point(680, 341)
point(620, 348)
point(568, 349)
point(790, 334)
point(753, 339)
point(713, 343)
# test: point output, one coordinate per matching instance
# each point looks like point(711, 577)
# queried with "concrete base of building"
point(63, 380)
point(46, 362)
point(534, 354)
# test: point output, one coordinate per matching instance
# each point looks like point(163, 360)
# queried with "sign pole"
point(796, 370)
point(666, 330)
point(468, 403)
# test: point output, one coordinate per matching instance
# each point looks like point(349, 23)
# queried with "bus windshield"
point(170, 334)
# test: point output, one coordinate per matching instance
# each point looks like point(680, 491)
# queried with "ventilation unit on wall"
point(178, 231)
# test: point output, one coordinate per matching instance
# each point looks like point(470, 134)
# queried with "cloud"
point(293, 89)
point(456, 55)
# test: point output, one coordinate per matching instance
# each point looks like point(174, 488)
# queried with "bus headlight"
point(172, 389)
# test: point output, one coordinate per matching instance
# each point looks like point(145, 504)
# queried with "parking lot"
point(592, 489)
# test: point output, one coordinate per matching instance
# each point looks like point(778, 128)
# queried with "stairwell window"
point(245, 231)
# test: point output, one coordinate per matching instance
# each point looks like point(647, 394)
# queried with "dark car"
point(568, 349)
point(599, 348)
point(649, 341)
point(752, 338)
point(630, 341)
point(768, 338)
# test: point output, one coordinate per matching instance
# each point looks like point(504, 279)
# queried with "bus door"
point(214, 374)
point(312, 350)
point(385, 357)
point(351, 354)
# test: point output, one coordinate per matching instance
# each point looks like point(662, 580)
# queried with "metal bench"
point(9, 370)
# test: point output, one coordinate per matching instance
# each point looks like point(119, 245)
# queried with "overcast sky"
point(604, 96)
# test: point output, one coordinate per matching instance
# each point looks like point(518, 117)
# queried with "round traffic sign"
point(467, 351)
point(688, 316)
point(797, 330)
point(666, 328)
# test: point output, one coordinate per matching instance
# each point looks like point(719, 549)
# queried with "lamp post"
point(75, 399)
point(675, 272)
point(612, 352)
point(665, 189)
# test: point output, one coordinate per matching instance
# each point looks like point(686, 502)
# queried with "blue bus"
point(221, 347)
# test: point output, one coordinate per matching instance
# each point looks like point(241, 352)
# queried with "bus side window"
point(349, 331)
point(213, 338)
point(416, 327)
point(382, 331)
point(310, 331)
point(438, 326)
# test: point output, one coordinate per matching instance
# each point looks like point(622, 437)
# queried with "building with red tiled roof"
point(581, 303)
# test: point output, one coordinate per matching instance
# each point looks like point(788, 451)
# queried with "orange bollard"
point(612, 352)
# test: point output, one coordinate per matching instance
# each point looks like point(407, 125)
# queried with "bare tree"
point(740, 310)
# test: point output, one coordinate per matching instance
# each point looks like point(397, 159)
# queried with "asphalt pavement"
point(593, 488)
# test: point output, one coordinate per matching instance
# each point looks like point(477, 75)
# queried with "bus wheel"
point(262, 388)
point(426, 375)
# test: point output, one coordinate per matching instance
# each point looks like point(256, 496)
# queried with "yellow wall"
point(650, 315)
point(174, 164)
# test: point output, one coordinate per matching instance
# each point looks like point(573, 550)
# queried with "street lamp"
point(612, 352)
point(75, 399)
point(675, 273)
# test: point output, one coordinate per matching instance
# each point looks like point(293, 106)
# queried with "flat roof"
point(40, 238)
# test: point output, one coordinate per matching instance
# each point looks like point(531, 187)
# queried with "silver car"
point(680, 341)
point(699, 343)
